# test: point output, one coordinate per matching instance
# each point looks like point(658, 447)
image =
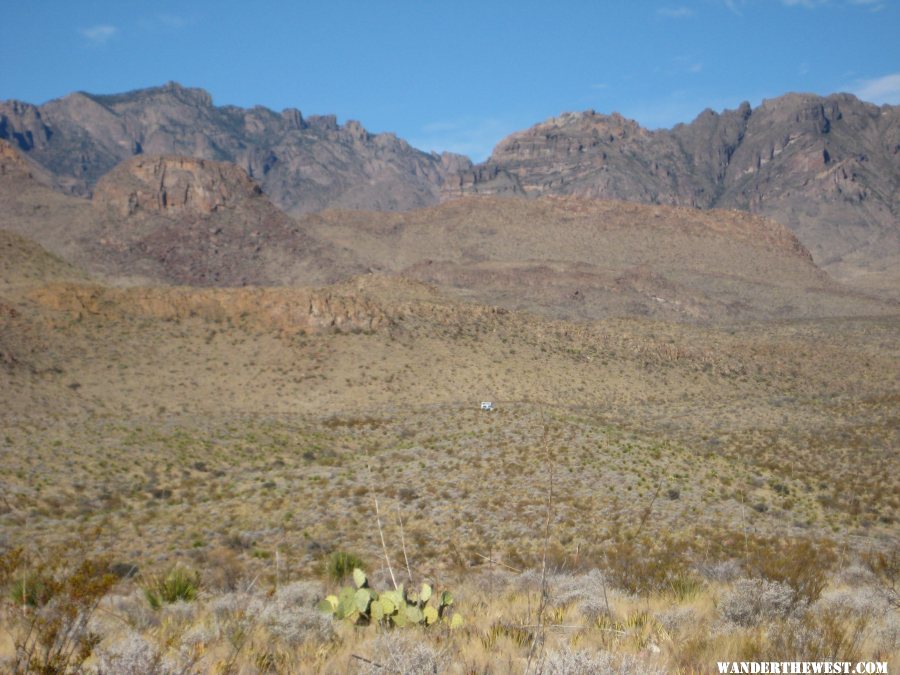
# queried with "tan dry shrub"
point(647, 565)
point(52, 629)
point(801, 564)
point(223, 570)
point(394, 652)
point(567, 661)
point(751, 601)
point(290, 617)
point(130, 654)
point(834, 634)
point(296, 625)
point(132, 609)
point(885, 567)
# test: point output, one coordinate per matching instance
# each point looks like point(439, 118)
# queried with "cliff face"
point(718, 160)
point(200, 222)
point(303, 164)
point(173, 185)
point(286, 311)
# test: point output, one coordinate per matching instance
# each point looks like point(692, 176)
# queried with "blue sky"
point(458, 74)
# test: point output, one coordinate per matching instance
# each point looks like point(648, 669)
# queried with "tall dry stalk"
point(403, 545)
point(387, 559)
point(538, 641)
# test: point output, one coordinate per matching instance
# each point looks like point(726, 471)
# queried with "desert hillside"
point(236, 437)
point(578, 258)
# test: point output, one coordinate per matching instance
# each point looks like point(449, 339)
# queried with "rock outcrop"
point(205, 223)
point(173, 186)
point(286, 311)
point(14, 166)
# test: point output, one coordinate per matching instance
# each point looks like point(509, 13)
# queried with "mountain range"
point(828, 168)
point(303, 163)
point(182, 221)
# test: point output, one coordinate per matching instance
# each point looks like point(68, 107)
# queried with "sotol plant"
point(178, 584)
point(362, 605)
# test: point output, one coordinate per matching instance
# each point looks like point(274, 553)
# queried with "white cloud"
point(471, 136)
point(808, 4)
point(99, 34)
point(871, 5)
point(880, 90)
point(173, 21)
point(674, 12)
point(684, 64)
point(165, 22)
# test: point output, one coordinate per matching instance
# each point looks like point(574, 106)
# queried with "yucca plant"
point(341, 564)
point(179, 583)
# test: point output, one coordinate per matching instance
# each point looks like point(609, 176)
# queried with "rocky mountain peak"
point(568, 133)
point(356, 130)
point(171, 91)
point(293, 118)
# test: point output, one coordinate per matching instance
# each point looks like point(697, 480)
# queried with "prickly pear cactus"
point(361, 605)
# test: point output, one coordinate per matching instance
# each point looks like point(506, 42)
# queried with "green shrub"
point(32, 590)
point(179, 583)
point(340, 565)
point(685, 586)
